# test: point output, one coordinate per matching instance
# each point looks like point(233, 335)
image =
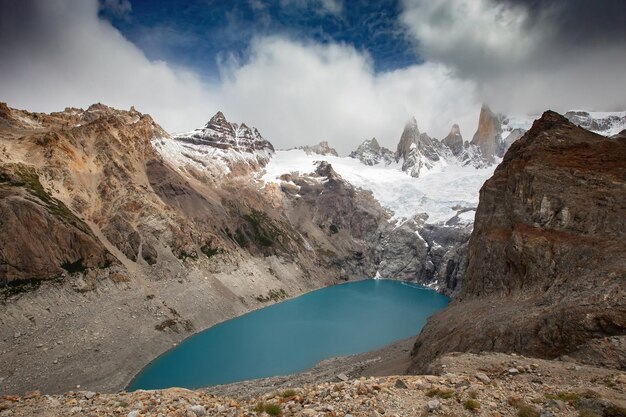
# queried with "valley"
point(161, 236)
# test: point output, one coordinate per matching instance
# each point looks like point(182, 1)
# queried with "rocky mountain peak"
point(322, 148)
point(545, 240)
point(487, 136)
point(608, 124)
point(371, 153)
point(217, 119)
point(454, 140)
point(410, 136)
point(218, 149)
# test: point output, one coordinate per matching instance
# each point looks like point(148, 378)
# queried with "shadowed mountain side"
point(546, 274)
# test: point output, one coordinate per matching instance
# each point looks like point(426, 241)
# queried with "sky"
point(303, 71)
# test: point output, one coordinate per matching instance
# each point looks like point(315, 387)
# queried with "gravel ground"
point(470, 385)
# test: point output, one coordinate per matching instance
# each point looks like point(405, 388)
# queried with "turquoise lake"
point(294, 335)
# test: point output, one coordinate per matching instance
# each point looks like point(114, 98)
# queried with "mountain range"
point(140, 238)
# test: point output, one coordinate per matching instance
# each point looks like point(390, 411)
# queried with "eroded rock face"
point(418, 150)
point(221, 134)
point(322, 148)
point(371, 153)
point(341, 224)
point(40, 237)
point(216, 151)
point(546, 273)
point(409, 138)
point(454, 140)
point(487, 136)
point(601, 123)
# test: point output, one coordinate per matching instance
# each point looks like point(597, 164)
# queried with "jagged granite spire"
point(487, 136)
point(454, 140)
point(371, 153)
point(410, 135)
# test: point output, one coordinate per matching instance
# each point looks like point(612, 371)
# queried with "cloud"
point(56, 53)
point(298, 93)
point(334, 7)
point(527, 55)
point(118, 8)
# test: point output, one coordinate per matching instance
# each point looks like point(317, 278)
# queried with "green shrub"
point(588, 413)
point(471, 405)
point(208, 250)
point(288, 393)
point(527, 411)
point(272, 409)
point(436, 392)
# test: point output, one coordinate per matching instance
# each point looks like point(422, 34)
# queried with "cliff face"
point(454, 140)
point(101, 211)
point(487, 136)
point(546, 274)
point(371, 153)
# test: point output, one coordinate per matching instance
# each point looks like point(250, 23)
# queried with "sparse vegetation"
point(436, 392)
point(240, 238)
point(165, 324)
point(588, 413)
point(288, 393)
point(272, 409)
point(269, 408)
point(184, 255)
point(27, 178)
point(209, 251)
point(471, 405)
point(333, 229)
point(527, 411)
point(568, 397)
point(273, 295)
point(262, 228)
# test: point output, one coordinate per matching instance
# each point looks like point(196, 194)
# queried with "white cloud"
point(299, 93)
point(478, 36)
point(58, 53)
point(119, 8)
point(334, 7)
point(521, 62)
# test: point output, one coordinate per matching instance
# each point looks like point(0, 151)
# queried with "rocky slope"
point(487, 136)
point(418, 151)
point(545, 275)
point(371, 153)
point(492, 384)
point(110, 223)
point(322, 148)
point(216, 150)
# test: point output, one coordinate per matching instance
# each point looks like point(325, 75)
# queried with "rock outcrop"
point(487, 136)
point(454, 140)
point(322, 148)
point(371, 153)
point(546, 274)
point(41, 238)
point(418, 150)
point(606, 124)
point(114, 222)
point(218, 149)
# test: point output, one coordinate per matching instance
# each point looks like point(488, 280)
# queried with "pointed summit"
point(410, 136)
point(454, 140)
point(487, 136)
point(217, 119)
point(371, 153)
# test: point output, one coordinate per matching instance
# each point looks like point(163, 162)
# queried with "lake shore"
point(393, 359)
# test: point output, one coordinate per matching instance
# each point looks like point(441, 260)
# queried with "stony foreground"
point(484, 385)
